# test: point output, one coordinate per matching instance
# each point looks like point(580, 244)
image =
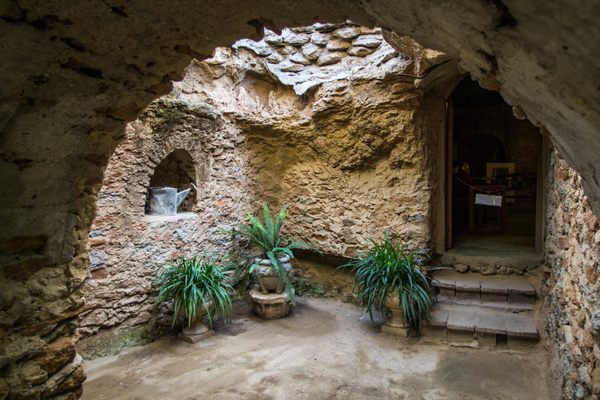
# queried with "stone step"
point(487, 288)
point(468, 323)
point(503, 305)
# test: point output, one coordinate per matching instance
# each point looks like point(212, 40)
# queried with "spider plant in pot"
point(198, 288)
point(271, 267)
point(389, 277)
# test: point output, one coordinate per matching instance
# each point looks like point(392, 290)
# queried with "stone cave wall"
point(349, 181)
point(353, 155)
point(127, 247)
point(338, 127)
point(349, 152)
point(572, 283)
point(76, 72)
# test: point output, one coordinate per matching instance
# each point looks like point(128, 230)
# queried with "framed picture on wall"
point(496, 170)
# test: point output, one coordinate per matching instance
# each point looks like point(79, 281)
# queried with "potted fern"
point(198, 288)
point(271, 266)
point(388, 277)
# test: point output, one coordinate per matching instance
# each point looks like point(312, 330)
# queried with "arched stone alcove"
point(177, 170)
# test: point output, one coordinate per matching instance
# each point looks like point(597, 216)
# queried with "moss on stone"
point(114, 341)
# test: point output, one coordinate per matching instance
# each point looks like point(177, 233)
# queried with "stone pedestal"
point(270, 305)
point(395, 324)
point(402, 331)
point(198, 331)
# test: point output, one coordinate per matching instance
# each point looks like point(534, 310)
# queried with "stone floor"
point(323, 350)
point(479, 251)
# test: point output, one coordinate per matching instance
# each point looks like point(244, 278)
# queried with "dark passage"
point(495, 162)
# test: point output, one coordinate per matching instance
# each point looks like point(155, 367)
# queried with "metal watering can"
point(165, 200)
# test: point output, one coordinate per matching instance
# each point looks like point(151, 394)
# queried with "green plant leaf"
point(196, 286)
point(389, 268)
point(266, 235)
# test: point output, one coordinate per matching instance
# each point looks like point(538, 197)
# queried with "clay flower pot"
point(199, 329)
point(395, 324)
point(268, 277)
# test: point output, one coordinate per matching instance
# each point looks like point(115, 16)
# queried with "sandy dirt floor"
point(324, 350)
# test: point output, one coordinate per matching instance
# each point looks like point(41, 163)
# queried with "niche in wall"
point(177, 170)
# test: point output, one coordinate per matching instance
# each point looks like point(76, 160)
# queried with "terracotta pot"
point(199, 329)
point(395, 324)
point(268, 277)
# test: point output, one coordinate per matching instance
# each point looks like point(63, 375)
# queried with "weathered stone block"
point(446, 285)
point(320, 39)
point(460, 337)
point(270, 305)
point(328, 58)
point(272, 38)
point(311, 51)
point(293, 38)
point(521, 326)
point(459, 320)
point(468, 289)
point(299, 58)
point(348, 32)
point(31, 374)
point(434, 333)
point(325, 27)
point(490, 324)
point(338, 45)
point(494, 290)
point(72, 383)
point(358, 51)
point(57, 354)
point(369, 41)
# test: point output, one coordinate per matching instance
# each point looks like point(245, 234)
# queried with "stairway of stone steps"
point(483, 311)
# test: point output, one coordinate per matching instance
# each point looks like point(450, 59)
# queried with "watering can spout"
point(182, 195)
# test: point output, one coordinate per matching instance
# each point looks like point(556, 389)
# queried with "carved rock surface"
point(338, 45)
point(328, 58)
point(311, 51)
point(359, 51)
point(320, 39)
point(370, 41)
point(572, 283)
point(294, 38)
point(347, 32)
point(337, 155)
point(68, 91)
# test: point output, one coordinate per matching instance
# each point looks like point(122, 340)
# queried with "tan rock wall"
point(74, 73)
point(352, 159)
point(572, 287)
point(126, 246)
point(350, 180)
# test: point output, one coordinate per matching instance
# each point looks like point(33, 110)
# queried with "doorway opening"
point(494, 163)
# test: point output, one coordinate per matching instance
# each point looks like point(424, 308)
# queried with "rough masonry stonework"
point(352, 158)
point(74, 73)
point(572, 286)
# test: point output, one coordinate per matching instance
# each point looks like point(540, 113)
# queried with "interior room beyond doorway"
point(494, 167)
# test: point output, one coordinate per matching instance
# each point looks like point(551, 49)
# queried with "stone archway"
point(76, 73)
